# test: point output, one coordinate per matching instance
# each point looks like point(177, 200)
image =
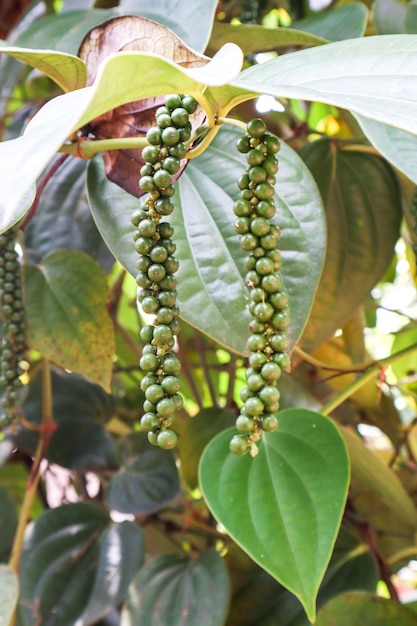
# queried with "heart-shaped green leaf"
point(179, 592)
point(68, 71)
point(67, 318)
point(211, 274)
point(342, 22)
point(398, 146)
point(76, 565)
point(363, 208)
point(351, 608)
point(9, 589)
point(283, 507)
point(147, 480)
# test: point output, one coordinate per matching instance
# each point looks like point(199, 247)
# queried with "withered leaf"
point(129, 33)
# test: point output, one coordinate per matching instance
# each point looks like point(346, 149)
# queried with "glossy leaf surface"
point(66, 70)
point(67, 318)
point(211, 274)
point(179, 592)
point(283, 507)
point(351, 608)
point(76, 566)
point(343, 22)
point(9, 590)
point(397, 146)
point(80, 409)
point(363, 209)
point(147, 480)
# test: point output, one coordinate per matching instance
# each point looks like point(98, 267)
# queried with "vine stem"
point(371, 373)
point(45, 431)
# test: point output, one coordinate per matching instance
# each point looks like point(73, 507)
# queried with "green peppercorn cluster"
point(157, 265)
point(268, 340)
point(12, 346)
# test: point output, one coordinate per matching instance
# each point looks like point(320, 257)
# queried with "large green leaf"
point(283, 507)
point(67, 318)
point(197, 434)
point(76, 566)
point(147, 480)
point(342, 22)
point(80, 408)
point(9, 590)
point(68, 71)
point(211, 274)
point(351, 608)
point(122, 78)
point(63, 218)
point(389, 16)
point(179, 592)
point(373, 76)
point(364, 212)
point(8, 523)
point(254, 38)
point(371, 477)
point(398, 146)
point(192, 21)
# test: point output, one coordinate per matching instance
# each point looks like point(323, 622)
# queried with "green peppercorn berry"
point(249, 242)
point(147, 228)
point(170, 385)
point(162, 335)
point(169, 283)
point(172, 101)
point(137, 216)
point(190, 104)
point(242, 225)
point(279, 342)
point(263, 311)
point(280, 321)
point(269, 395)
point(243, 144)
point(163, 110)
point(156, 272)
point(143, 245)
point(165, 230)
point(154, 393)
point(239, 445)
point(167, 192)
point(175, 326)
point(260, 226)
point(279, 300)
point(171, 165)
point(150, 154)
point(164, 121)
point(270, 165)
point(147, 381)
point(257, 294)
point(146, 183)
point(257, 327)
point(264, 266)
point(171, 365)
point(273, 282)
point(255, 157)
point(256, 128)
point(185, 133)
point(271, 143)
point(256, 343)
point(242, 208)
point(255, 382)
point(153, 136)
point(243, 182)
point(165, 407)
point(153, 438)
point(171, 264)
point(282, 360)
point(264, 191)
point(179, 151)
point(143, 280)
point(148, 362)
point(270, 372)
point(149, 422)
point(170, 136)
point(169, 245)
point(167, 298)
point(162, 179)
point(245, 424)
point(265, 209)
point(257, 360)
point(269, 423)
point(146, 333)
point(164, 315)
point(167, 439)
